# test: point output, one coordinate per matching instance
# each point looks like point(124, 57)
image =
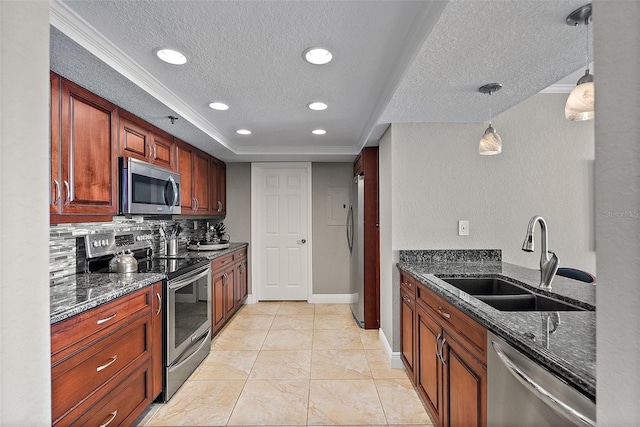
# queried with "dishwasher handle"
point(540, 392)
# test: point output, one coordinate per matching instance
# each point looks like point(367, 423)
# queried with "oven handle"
point(186, 359)
point(179, 283)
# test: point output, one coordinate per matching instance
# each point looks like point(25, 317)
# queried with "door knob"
point(302, 242)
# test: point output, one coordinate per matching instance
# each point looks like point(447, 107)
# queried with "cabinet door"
point(135, 140)
point(429, 366)
point(240, 284)
point(217, 300)
point(214, 186)
point(88, 152)
point(156, 340)
point(55, 196)
point(230, 288)
point(200, 182)
point(185, 168)
point(244, 280)
point(221, 203)
point(465, 387)
point(407, 337)
point(163, 150)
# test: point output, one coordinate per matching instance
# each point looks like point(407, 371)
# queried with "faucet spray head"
point(528, 246)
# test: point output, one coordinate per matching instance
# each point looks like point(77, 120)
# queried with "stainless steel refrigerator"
point(355, 240)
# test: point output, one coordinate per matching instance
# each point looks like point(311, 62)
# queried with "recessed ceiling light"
point(171, 56)
point(317, 106)
point(219, 106)
point(317, 55)
point(243, 132)
point(318, 131)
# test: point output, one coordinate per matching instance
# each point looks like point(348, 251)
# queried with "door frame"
point(256, 257)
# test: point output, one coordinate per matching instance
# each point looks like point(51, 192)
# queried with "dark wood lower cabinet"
point(105, 361)
point(229, 286)
point(466, 381)
point(449, 357)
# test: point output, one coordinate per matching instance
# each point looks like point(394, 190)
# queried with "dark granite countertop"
point(81, 292)
point(234, 246)
point(569, 353)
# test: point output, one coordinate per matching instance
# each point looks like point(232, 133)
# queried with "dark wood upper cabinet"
point(193, 166)
point(88, 133)
point(164, 150)
point(142, 141)
point(87, 164)
point(200, 183)
point(55, 195)
point(218, 184)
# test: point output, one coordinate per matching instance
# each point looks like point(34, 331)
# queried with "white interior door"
point(281, 233)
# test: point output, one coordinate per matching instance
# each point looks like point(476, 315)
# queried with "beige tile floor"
point(294, 364)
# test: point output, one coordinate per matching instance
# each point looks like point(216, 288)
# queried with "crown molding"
point(70, 23)
point(559, 88)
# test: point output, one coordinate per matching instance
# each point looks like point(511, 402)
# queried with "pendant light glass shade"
point(580, 104)
point(490, 143)
point(581, 100)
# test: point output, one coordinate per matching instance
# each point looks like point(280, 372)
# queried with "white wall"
point(25, 356)
point(617, 53)
point(437, 177)
point(389, 294)
point(546, 167)
point(331, 257)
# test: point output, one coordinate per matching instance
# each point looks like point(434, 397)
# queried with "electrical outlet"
point(463, 228)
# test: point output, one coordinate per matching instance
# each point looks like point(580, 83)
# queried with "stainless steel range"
point(187, 290)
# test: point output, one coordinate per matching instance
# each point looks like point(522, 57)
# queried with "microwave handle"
point(175, 192)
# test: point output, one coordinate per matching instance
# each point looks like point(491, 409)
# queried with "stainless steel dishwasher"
point(523, 393)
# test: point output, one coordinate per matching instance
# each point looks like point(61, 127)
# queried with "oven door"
point(188, 311)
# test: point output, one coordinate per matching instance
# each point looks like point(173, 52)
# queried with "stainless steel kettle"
point(123, 262)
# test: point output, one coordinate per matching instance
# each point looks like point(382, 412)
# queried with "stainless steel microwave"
point(147, 188)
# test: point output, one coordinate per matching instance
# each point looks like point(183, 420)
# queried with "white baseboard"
point(394, 356)
point(330, 299)
point(316, 299)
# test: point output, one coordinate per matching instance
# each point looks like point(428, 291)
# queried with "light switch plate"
point(463, 228)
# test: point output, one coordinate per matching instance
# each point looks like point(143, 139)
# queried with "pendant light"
point(490, 143)
point(581, 100)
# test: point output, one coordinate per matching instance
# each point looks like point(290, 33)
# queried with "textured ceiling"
point(394, 61)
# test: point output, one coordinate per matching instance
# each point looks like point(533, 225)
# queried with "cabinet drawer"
point(91, 324)
point(473, 335)
point(409, 284)
point(79, 376)
point(221, 262)
point(240, 255)
point(121, 405)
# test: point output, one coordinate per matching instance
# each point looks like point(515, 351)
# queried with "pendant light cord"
point(586, 24)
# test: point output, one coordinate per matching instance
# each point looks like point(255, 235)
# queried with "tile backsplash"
point(62, 238)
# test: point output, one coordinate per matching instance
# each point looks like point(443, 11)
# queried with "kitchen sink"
point(486, 286)
point(530, 302)
point(506, 296)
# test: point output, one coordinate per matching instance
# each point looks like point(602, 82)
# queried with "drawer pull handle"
point(159, 303)
point(443, 314)
point(442, 343)
point(113, 416)
point(106, 319)
point(109, 363)
point(406, 299)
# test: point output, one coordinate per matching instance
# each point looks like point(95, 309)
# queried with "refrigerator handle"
point(349, 226)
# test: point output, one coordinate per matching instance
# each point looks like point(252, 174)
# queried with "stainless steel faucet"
point(548, 264)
